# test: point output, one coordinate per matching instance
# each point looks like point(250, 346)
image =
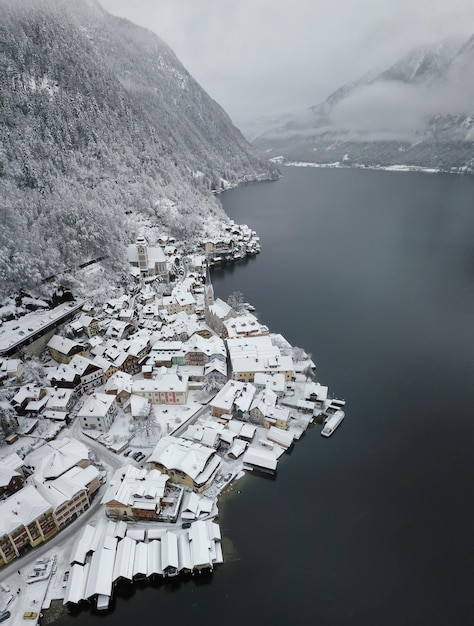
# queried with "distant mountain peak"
point(413, 112)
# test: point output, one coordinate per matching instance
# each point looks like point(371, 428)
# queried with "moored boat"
point(332, 422)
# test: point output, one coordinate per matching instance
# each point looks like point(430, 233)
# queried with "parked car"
point(186, 525)
point(4, 615)
point(127, 452)
point(30, 615)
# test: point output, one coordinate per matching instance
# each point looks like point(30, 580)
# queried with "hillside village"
point(141, 410)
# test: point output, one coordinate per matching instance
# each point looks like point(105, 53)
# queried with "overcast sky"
point(260, 57)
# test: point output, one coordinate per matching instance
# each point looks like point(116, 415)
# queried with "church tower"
point(208, 289)
point(142, 249)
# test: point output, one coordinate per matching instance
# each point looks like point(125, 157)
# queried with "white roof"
point(200, 545)
point(97, 405)
point(12, 461)
point(164, 382)
point(169, 551)
point(257, 354)
point(260, 458)
point(238, 448)
point(100, 579)
point(244, 325)
point(140, 562)
point(154, 558)
point(184, 553)
point(22, 508)
point(136, 488)
point(194, 459)
point(63, 344)
point(234, 392)
point(279, 436)
point(56, 457)
point(220, 309)
point(76, 584)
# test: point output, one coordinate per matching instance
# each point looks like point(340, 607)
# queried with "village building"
point(164, 388)
point(10, 481)
point(65, 377)
point(60, 400)
point(25, 395)
point(63, 349)
point(119, 329)
point(137, 494)
point(316, 393)
point(273, 382)
point(70, 494)
point(257, 354)
point(243, 325)
point(235, 399)
point(216, 369)
point(11, 368)
point(150, 260)
point(120, 386)
point(217, 313)
point(188, 463)
point(107, 366)
point(56, 457)
point(98, 412)
point(90, 325)
point(199, 351)
point(33, 330)
point(26, 520)
point(89, 372)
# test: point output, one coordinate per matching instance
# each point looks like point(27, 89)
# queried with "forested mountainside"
point(417, 112)
point(100, 122)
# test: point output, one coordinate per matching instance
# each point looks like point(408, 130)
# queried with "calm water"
point(372, 272)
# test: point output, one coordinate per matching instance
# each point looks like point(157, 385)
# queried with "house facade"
point(98, 412)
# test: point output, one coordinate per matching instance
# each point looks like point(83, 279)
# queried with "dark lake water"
point(373, 273)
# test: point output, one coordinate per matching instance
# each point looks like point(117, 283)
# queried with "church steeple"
point(208, 289)
point(142, 249)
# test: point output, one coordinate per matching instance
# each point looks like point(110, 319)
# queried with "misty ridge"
point(425, 98)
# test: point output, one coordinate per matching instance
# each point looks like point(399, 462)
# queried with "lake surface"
point(373, 273)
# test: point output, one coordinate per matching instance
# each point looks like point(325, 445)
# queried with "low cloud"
point(386, 107)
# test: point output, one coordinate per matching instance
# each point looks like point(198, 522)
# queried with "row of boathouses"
point(112, 552)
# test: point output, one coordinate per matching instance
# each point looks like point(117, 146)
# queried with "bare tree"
point(236, 301)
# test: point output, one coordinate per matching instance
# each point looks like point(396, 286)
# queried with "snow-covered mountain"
point(416, 112)
point(100, 121)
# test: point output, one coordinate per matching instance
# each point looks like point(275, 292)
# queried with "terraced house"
point(26, 520)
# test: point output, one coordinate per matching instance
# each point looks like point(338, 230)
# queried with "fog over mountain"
point(416, 112)
point(101, 122)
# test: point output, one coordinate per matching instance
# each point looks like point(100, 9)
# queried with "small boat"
point(332, 422)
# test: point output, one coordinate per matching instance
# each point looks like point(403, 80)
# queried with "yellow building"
point(26, 520)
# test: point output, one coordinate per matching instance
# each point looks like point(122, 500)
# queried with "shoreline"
point(360, 166)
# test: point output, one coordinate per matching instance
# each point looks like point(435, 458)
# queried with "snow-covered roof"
point(244, 325)
point(124, 559)
point(257, 354)
point(63, 344)
point(163, 382)
point(136, 487)
point(260, 458)
point(12, 461)
point(22, 508)
point(234, 392)
point(194, 459)
point(97, 405)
